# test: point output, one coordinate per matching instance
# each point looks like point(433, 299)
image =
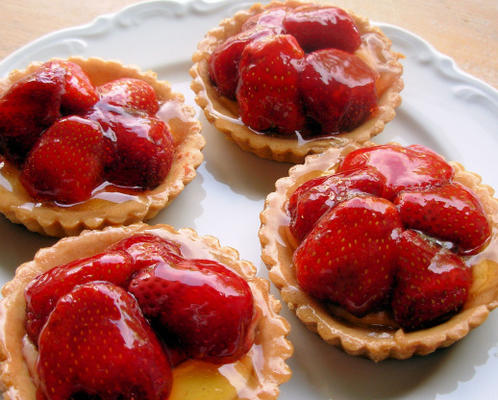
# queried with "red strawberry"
point(312, 199)
point(43, 292)
point(405, 168)
point(322, 28)
point(267, 94)
point(30, 106)
point(350, 256)
point(432, 283)
point(338, 89)
point(139, 148)
point(207, 308)
point(79, 93)
point(224, 61)
point(65, 165)
point(449, 212)
point(272, 18)
point(97, 344)
point(129, 93)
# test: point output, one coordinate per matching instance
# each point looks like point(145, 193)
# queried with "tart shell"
point(223, 113)
point(269, 371)
point(335, 325)
point(50, 219)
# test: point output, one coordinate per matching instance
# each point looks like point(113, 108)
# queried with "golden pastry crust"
point(49, 219)
point(335, 325)
point(224, 113)
point(270, 341)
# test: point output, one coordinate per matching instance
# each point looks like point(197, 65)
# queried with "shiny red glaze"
point(267, 93)
point(316, 196)
point(272, 18)
point(338, 90)
point(432, 284)
point(79, 93)
point(43, 292)
point(224, 61)
point(207, 309)
point(65, 164)
point(139, 148)
point(130, 93)
point(349, 257)
point(29, 106)
point(449, 212)
point(322, 28)
point(97, 343)
point(405, 168)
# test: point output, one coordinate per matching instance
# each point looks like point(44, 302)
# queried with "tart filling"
point(256, 373)
point(174, 134)
point(260, 29)
point(347, 320)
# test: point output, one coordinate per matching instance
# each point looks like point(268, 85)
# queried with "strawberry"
point(449, 212)
point(204, 306)
point(139, 148)
point(350, 256)
point(30, 106)
point(322, 28)
point(405, 168)
point(267, 93)
point(79, 93)
point(338, 90)
point(65, 165)
point(129, 93)
point(431, 283)
point(224, 61)
point(312, 199)
point(43, 292)
point(97, 344)
point(272, 18)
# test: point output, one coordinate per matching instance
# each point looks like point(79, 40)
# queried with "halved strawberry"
point(267, 93)
point(97, 344)
point(65, 165)
point(139, 148)
point(449, 212)
point(224, 61)
point(316, 196)
point(206, 308)
point(338, 89)
point(350, 256)
point(322, 28)
point(43, 292)
point(432, 283)
point(405, 168)
point(272, 19)
point(130, 93)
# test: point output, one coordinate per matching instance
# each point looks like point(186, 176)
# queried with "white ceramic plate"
point(443, 108)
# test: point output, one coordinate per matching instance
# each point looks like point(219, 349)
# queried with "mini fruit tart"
point(384, 251)
point(141, 312)
point(287, 79)
point(86, 143)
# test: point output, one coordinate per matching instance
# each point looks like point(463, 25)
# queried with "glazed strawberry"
point(268, 97)
point(129, 93)
point(97, 344)
point(405, 168)
point(316, 196)
point(224, 61)
point(139, 148)
point(350, 256)
point(65, 165)
point(449, 212)
point(322, 28)
point(207, 308)
point(79, 93)
point(43, 292)
point(30, 106)
point(272, 18)
point(432, 283)
point(338, 90)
